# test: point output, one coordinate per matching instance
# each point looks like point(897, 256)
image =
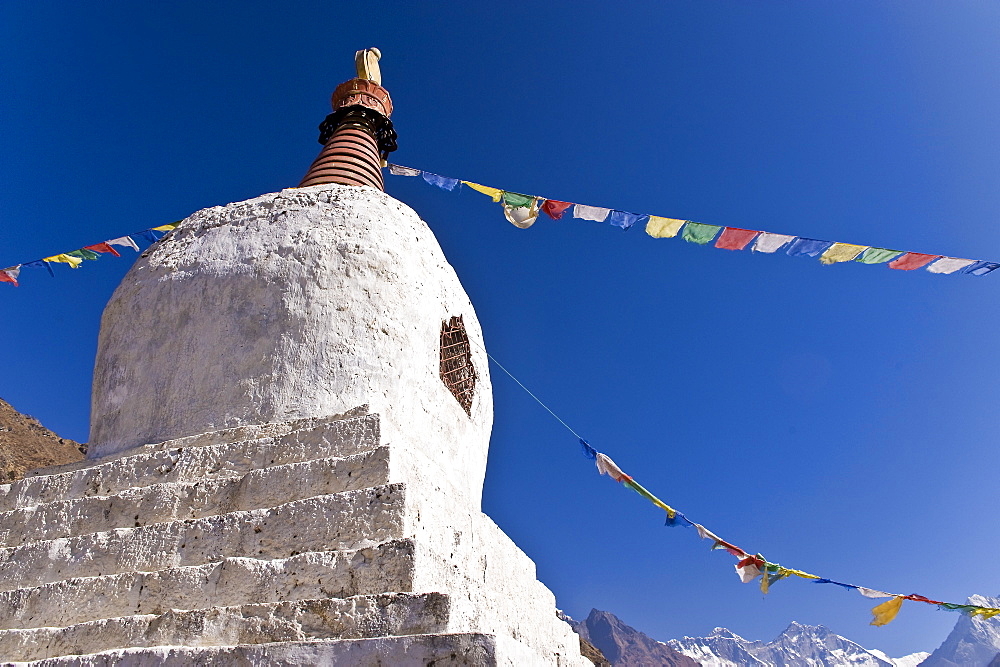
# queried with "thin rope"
point(537, 400)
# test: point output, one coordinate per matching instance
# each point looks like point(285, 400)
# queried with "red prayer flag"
point(734, 238)
point(555, 209)
point(912, 260)
point(102, 247)
point(732, 549)
point(921, 598)
point(7, 278)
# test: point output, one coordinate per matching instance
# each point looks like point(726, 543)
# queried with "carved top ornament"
point(366, 90)
point(366, 61)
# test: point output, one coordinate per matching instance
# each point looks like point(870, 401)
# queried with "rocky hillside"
point(624, 645)
point(25, 445)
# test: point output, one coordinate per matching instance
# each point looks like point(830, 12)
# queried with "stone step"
point(460, 649)
point(389, 614)
point(171, 501)
point(348, 520)
point(232, 581)
point(192, 459)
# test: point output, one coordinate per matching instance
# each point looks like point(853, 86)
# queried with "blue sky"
point(837, 419)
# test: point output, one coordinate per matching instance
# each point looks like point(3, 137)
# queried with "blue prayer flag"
point(624, 219)
point(588, 451)
point(982, 267)
point(678, 520)
point(41, 264)
point(802, 247)
point(441, 181)
point(849, 587)
point(150, 235)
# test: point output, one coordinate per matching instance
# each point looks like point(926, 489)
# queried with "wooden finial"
point(366, 62)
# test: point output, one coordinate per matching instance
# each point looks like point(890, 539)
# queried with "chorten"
point(289, 429)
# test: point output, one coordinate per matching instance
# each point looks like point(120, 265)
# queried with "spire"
point(358, 135)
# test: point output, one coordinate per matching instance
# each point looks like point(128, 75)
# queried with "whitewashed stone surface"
point(303, 303)
point(312, 491)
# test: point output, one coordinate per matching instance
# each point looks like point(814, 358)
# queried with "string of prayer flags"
point(751, 567)
point(74, 258)
point(731, 238)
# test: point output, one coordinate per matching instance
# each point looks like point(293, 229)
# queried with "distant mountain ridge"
point(798, 645)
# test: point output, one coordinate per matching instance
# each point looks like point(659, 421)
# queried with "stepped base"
point(363, 616)
point(309, 542)
point(440, 650)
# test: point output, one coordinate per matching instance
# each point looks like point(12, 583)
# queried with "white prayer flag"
point(768, 242)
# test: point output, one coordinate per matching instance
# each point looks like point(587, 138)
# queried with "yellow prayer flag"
point(166, 228)
point(842, 252)
point(798, 573)
point(671, 512)
point(486, 190)
point(74, 262)
point(885, 612)
point(985, 612)
point(663, 228)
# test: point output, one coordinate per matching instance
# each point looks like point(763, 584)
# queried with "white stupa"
point(290, 423)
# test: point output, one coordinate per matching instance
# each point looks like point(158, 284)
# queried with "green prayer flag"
point(83, 254)
point(877, 255)
point(696, 232)
point(515, 200)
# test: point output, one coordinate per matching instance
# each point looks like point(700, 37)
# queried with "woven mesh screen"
point(457, 371)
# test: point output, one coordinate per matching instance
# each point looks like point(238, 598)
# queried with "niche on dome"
point(457, 371)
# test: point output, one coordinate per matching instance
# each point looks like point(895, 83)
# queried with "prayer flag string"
point(730, 238)
point(74, 258)
point(748, 566)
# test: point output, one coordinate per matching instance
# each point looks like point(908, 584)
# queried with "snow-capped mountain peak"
point(797, 646)
point(973, 642)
